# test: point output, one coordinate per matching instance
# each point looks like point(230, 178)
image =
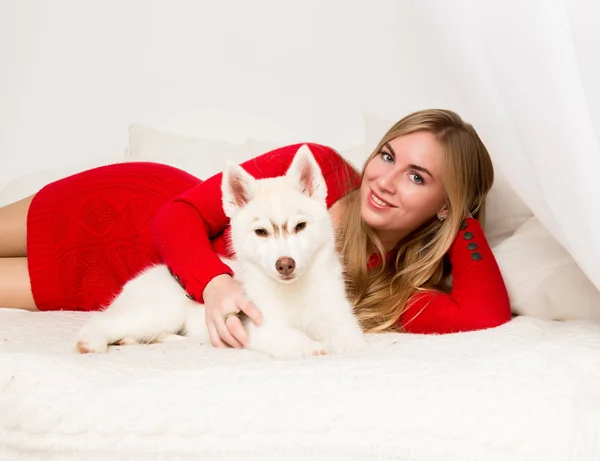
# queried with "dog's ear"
point(306, 172)
point(237, 188)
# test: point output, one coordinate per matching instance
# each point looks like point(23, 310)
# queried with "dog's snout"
point(285, 265)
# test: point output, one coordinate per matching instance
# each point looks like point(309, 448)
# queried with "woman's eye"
point(387, 157)
point(417, 178)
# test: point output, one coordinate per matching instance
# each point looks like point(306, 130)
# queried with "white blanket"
point(529, 390)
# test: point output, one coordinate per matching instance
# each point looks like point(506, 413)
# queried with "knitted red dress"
point(89, 233)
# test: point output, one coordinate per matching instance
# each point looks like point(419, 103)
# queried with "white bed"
point(528, 390)
point(76, 75)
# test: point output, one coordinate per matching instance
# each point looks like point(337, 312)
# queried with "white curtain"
point(528, 74)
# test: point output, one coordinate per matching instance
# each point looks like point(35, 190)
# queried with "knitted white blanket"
point(529, 390)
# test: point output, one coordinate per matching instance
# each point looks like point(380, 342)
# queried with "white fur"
point(309, 315)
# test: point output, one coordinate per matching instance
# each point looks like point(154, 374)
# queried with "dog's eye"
point(261, 232)
point(300, 226)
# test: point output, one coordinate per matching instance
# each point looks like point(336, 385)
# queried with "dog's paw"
point(90, 341)
point(299, 350)
point(315, 348)
point(346, 342)
point(91, 346)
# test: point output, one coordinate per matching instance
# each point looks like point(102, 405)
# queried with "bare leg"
point(13, 228)
point(15, 288)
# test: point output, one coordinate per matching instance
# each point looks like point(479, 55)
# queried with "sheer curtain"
point(528, 74)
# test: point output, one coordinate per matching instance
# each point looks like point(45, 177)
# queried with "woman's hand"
point(222, 296)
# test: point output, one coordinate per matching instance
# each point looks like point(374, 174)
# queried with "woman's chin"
point(371, 218)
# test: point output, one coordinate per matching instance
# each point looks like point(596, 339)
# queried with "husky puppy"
point(285, 259)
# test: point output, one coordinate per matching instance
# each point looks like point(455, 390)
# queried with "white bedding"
point(529, 390)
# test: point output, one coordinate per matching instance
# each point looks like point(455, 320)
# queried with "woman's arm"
point(479, 298)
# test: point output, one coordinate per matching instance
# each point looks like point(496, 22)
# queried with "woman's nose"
point(387, 181)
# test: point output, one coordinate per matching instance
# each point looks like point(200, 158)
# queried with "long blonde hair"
point(381, 295)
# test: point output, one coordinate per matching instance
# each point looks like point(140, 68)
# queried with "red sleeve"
point(478, 299)
point(184, 226)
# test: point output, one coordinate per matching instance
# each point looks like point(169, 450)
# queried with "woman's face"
point(403, 186)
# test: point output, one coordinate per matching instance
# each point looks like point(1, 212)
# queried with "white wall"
point(76, 73)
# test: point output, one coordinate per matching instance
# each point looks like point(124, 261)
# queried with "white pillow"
point(227, 124)
point(354, 155)
point(505, 211)
point(204, 157)
point(201, 157)
point(542, 278)
point(256, 147)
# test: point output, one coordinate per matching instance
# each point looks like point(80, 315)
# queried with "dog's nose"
point(285, 265)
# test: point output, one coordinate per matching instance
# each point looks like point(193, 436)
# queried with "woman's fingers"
point(225, 334)
point(250, 309)
point(223, 327)
point(215, 339)
point(237, 330)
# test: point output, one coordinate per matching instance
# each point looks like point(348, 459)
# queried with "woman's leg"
point(13, 228)
point(15, 287)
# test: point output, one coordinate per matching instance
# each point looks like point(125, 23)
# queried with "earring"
point(441, 216)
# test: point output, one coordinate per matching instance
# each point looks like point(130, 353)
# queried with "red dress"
point(89, 233)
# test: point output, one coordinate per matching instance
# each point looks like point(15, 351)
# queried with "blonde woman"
point(408, 226)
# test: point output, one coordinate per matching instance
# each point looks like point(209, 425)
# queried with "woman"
point(406, 224)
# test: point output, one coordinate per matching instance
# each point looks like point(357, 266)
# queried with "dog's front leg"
point(282, 341)
point(338, 329)
point(345, 339)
